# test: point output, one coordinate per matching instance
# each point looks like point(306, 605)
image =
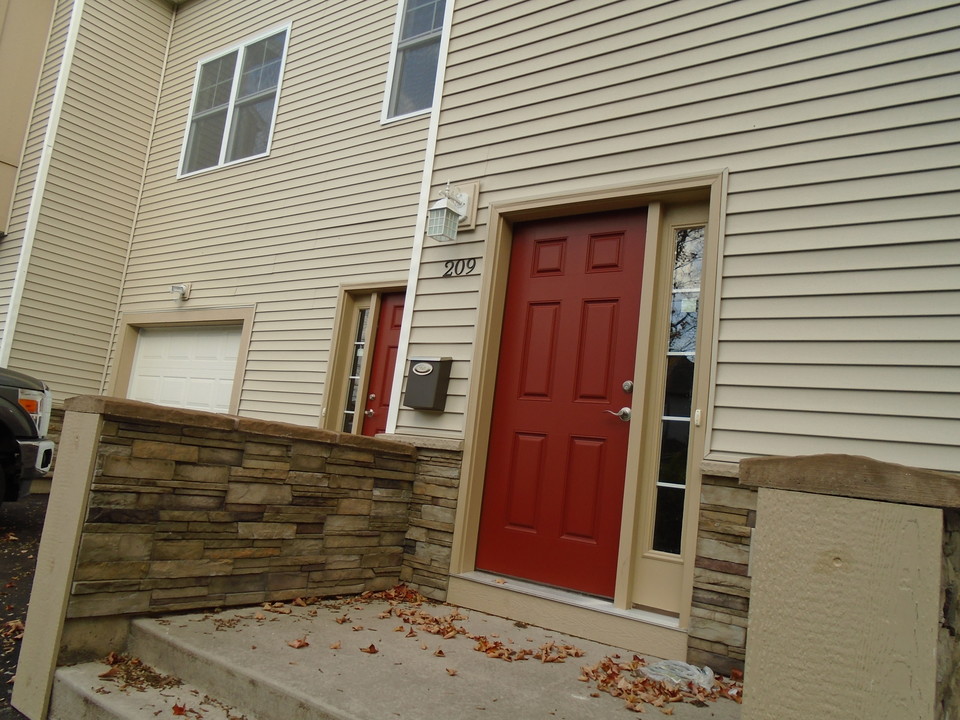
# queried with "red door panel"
point(382, 365)
point(553, 491)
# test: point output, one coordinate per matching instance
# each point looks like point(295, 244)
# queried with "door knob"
point(368, 413)
point(623, 413)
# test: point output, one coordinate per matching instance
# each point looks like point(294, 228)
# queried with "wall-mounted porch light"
point(445, 214)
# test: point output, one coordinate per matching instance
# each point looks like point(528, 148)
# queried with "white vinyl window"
point(416, 54)
point(235, 103)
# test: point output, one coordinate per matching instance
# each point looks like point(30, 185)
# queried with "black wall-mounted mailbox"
point(427, 382)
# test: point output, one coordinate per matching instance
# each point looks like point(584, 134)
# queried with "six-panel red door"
point(553, 491)
point(385, 344)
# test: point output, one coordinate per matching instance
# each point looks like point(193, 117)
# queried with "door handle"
point(368, 413)
point(623, 413)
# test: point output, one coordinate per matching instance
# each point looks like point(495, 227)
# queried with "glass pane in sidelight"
point(678, 398)
point(668, 530)
point(674, 441)
point(683, 322)
point(688, 262)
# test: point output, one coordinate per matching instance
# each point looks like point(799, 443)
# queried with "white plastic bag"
point(675, 673)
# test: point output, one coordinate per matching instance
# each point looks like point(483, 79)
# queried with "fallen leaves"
point(549, 652)
point(223, 624)
point(131, 672)
point(396, 594)
point(299, 643)
point(419, 619)
point(12, 629)
point(496, 649)
point(371, 650)
point(277, 607)
point(621, 680)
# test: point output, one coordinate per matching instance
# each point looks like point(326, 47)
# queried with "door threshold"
point(570, 597)
point(570, 612)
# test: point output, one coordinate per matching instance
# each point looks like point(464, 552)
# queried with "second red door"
point(382, 364)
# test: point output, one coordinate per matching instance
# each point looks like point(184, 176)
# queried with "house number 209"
point(459, 267)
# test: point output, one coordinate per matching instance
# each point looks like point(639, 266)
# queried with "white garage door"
point(188, 367)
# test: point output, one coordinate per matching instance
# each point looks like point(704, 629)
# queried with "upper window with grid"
point(415, 57)
point(235, 104)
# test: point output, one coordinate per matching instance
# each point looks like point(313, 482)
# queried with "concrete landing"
point(369, 661)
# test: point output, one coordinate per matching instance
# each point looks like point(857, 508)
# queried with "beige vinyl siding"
point(11, 245)
point(838, 123)
point(334, 203)
point(91, 193)
point(444, 325)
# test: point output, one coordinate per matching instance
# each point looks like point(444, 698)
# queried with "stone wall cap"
point(121, 409)
point(720, 468)
point(425, 441)
point(853, 476)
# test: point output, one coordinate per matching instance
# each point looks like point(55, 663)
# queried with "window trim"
point(239, 47)
point(395, 49)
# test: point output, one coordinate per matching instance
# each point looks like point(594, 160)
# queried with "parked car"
point(25, 451)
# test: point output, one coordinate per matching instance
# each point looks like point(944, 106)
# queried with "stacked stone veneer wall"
point(427, 548)
point(193, 510)
point(721, 582)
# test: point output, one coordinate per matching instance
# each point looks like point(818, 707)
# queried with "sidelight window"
point(355, 378)
point(675, 421)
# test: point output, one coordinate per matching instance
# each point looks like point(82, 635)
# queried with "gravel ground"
point(20, 526)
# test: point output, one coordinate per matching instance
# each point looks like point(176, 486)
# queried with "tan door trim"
point(351, 298)
point(502, 216)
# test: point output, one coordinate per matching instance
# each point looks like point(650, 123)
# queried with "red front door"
point(553, 491)
point(382, 364)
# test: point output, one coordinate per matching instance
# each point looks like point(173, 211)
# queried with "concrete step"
point(355, 661)
point(79, 693)
point(260, 691)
